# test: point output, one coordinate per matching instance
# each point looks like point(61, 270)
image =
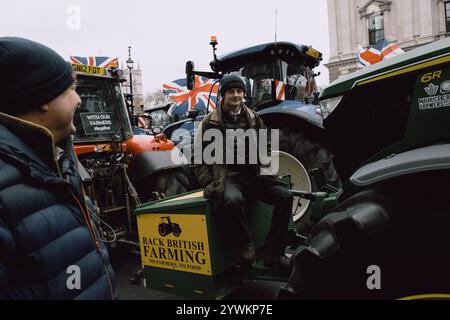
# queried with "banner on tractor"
point(175, 241)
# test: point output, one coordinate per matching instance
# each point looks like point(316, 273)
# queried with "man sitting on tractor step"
point(229, 184)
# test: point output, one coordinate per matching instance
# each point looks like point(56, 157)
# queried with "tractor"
point(120, 169)
point(383, 235)
point(387, 238)
point(164, 228)
point(281, 87)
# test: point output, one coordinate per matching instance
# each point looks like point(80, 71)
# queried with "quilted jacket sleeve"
point(7, 249)
point(202, 171)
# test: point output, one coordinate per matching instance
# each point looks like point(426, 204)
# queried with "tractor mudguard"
point(436, 157)
point(340, 236)
point(147, 163)
point(294, 108)
point(362, 217)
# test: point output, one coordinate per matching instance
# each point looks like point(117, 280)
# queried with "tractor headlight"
point(328, 105)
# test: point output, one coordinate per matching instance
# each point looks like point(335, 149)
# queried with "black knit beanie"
point(231, 81)
point(32, 75)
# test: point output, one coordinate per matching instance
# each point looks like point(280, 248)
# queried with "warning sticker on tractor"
point(177, 242)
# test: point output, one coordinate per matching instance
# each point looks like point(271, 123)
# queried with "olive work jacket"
point(212, 176)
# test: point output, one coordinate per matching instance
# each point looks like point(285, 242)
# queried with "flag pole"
point(276, 25)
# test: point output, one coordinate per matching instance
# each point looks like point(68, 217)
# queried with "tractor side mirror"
point(156, 130)
point(190, 80)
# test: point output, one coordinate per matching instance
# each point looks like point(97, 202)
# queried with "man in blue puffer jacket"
point(49, 247)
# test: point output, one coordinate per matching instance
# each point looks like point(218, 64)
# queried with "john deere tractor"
point(388, 237)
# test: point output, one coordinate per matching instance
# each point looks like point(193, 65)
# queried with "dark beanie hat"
point(231, 81)
point(32, 75)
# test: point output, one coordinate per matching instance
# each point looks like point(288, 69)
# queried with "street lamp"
point(130, 67)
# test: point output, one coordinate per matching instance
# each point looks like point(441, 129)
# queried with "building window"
point(447, 15)
point(376, 28)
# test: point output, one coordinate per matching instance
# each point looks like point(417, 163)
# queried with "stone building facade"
point(409, 23)
point(138, 95)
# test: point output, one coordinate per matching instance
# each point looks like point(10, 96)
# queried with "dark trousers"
point(241, 187)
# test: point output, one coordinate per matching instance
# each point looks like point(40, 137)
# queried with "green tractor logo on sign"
point(166, 227)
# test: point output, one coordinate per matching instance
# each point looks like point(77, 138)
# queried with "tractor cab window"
point(160, 118)
point(102, 113)
point(265, 82)
point(262, 89)
point(259, 78)
point(300, 82)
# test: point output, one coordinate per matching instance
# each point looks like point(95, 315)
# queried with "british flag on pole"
point(104, 62)
point(382, 50)
point(197, 98)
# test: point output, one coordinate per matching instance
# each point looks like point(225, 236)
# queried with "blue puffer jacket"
point(45, 227)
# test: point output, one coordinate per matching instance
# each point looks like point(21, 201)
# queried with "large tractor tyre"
point(333, 262)
point(312, 154)
point(388, 242)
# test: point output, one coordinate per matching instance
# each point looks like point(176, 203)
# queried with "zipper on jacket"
point(96, 242)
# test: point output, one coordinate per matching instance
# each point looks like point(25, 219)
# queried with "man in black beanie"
point(49, 247)
point(230, 184)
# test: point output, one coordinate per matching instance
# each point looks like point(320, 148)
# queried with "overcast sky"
point(165, 34)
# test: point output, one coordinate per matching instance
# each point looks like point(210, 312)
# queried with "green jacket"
point(212, 177)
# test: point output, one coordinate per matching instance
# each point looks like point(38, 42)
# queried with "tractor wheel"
point(176, 231)
point(381, 229)
point(163, 229)
point(311, 154)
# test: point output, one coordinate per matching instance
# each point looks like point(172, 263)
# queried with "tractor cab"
point(122, 168)
point(278, 75)
point(103, 114)
point(274, 72)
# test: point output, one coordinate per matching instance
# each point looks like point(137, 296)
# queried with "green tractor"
point(388, 237)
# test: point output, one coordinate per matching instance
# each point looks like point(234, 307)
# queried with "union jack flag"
point(197, 98)
point(361, 62)
point(382, 50)
point(104, 62)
